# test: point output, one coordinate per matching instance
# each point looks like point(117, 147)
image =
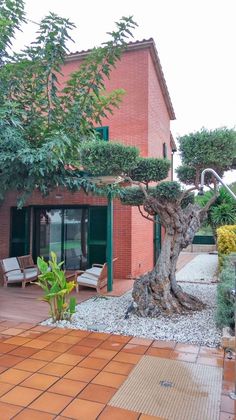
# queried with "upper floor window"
point(164, 152)
point(103, 132)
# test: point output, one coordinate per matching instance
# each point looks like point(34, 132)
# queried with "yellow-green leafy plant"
point(226, 241)
point(56, 289)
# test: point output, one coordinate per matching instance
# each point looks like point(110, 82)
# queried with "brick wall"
point(143, 121)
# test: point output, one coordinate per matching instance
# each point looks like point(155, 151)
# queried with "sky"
point(195, 40)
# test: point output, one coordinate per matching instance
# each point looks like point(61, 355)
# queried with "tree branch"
point(146, 217)
point(210, 202)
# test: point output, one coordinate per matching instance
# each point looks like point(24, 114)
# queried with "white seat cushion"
point(33, 272)
point(87, 279)
point(11, 264)
point(94, 270)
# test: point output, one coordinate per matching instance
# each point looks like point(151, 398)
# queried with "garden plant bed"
point(107, 314)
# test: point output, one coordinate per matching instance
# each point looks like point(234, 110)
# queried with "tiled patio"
point(50, 373)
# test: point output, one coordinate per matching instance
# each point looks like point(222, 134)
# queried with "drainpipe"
point(109, 243)
point(232, 394)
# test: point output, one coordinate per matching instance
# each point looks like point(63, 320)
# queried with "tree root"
point(153, 298)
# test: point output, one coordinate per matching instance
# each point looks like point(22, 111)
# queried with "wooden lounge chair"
point(13, 273)
point(95, 277)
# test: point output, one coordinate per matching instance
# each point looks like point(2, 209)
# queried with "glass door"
point(63, 231)
point(75, 238)
point(50, 232)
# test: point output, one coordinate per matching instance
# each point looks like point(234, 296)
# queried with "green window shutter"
point(103, 132)
point(164, 150)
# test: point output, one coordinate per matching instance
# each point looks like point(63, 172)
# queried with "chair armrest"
point(30, 266)
point(79, 272)
point(98, 265)
point(14, 269)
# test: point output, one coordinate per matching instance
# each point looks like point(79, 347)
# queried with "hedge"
point(226, 241)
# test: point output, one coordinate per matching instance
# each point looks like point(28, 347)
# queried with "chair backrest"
point(25, 261)
point(10, 264)
point(103, 273)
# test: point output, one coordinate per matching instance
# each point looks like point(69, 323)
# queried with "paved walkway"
point(50, 373)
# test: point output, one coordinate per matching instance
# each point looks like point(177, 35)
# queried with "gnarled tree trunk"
point(157, 292)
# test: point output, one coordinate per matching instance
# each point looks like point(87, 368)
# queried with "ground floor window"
point(78, 235)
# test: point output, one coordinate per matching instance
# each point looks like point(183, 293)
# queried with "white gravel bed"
point(107, 315)
point(203, 268)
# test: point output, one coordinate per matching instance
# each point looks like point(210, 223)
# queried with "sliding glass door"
point(63, 231)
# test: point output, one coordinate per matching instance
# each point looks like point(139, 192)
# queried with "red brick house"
point(74, 225)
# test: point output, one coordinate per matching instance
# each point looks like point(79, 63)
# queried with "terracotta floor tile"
point(60, 331)
point(79, 333)
point(50, 337)
point(3, 368)
point(42, 328)
point(6, 348)
point(187, 348)
point(206, 351)
point(111, 345)
point(227, 404)
point(59, 347)
point(100, 335)
point(117, 367)
point(80, 350)
point(26, 325)
point(141, 341)
point(109, 379)
point(186, 357)
point(93, 363)
point(68, 339)
point(16, 340)
point(227, 387)
point(9, 360)
point(45, 355)
point(4, 388)
point(30, 334)
point(51, 403)
point(8, 324)
point(36, 344)
point(67, 387)
point(23, 351)
point(210, 361)
point(20, 395)
point(68, 359)
point(120, 338)
point(226, 416)
point(39, 381)
point(97, 393)
point(127, 358)
point(13, 331)
point(28, 414)
point(90, 342)
point(55, 369)
point(164, 344)
point(134, 348)
point(83, 410)
point(81, 374)
point(146, 417)
point(103, 354)
point(8, 411)
point(155, 351)
point(229, 375)
point(115, 413)
point(14, 376)
point(31, 365)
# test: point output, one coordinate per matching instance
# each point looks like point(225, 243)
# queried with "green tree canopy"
point(42, 123)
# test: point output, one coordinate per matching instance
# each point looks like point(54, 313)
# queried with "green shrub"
point(104, 158)
point(225, 303)
point(53, 282)
point(151, 169)
point(226, 241)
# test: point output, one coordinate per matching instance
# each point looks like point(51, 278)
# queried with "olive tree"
point(158, 292)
